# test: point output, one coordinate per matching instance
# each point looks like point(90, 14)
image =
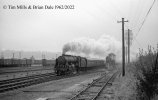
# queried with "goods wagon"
point(37, 63)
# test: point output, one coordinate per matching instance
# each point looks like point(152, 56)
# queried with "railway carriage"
point(93, 63)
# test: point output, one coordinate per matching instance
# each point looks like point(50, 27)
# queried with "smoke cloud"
point(92, 48)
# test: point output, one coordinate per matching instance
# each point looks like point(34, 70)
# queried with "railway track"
point(93, 91)
point(20, 79)
point(13, 84)
point(20, 71)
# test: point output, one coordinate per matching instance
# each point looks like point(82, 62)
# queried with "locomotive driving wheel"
point(73, 69)
point(58, 73)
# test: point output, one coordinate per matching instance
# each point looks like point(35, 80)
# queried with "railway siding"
point(13, 73)
point(9, 85)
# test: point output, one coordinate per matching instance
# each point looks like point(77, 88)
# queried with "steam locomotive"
point(68, 64)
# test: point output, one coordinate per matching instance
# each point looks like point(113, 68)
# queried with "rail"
point(99, 84)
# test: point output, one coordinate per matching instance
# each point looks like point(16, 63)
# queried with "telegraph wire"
point(145, 18)
point(137, 14)
point(148, 12)
point(140, 13)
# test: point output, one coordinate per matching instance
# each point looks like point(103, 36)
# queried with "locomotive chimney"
point(63, 53)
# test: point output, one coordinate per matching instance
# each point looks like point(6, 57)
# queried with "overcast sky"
point(50, 29)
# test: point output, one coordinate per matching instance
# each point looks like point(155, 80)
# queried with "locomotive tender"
point(67, 64)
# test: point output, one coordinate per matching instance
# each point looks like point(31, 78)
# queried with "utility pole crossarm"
point(121, 21)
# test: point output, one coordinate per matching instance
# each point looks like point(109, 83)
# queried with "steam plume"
point(89, 47)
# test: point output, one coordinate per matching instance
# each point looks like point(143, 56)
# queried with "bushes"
point(147, 66)
point(141, 79)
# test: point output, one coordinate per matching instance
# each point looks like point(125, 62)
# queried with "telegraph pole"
point(123, 47)
point(128, 46)
point(126, 51)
